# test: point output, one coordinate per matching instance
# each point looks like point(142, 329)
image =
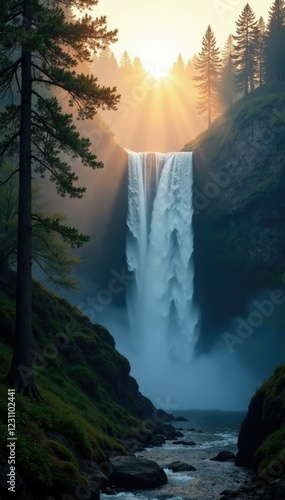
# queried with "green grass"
point(78, 380)
point(271, 452)
point(274, 387)
point(273, 407)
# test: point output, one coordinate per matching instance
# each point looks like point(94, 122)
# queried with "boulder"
point(167, 430)
point(224, 456)
point(180, 467)
point(136, 473)
point(96, 477)
point(133, 445)
point(158, 440)
point(230, 493)
point(178, 434)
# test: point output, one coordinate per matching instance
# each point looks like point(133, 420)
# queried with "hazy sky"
point(158, 30)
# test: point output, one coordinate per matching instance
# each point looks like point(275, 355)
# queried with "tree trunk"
point(4, 263)
point(21, 373)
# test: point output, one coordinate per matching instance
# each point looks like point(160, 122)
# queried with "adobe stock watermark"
point(104, 297)
point(224, 7)
point(138, 94)
point(273, 471)
point(129, 102)
point(263, 309)
point(247, 151)
point(50, 351)
point(105, 469)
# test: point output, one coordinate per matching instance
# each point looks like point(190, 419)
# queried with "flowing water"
point(219, 432)
point(159, 251)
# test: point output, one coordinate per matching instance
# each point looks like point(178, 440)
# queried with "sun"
point(158, 72)
point(156, 58)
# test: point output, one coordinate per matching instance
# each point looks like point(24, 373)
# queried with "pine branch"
point(10, 176)
point(69, 234)
point(8, 144)
point(11, 68)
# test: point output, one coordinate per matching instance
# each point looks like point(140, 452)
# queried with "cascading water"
point(159, 250)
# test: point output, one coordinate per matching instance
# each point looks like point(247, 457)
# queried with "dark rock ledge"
point(136, 473)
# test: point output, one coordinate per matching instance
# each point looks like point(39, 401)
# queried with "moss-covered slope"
point(239, 220)
point(90, 400)
point(261, 440)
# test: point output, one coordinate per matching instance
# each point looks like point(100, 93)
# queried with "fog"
point(225, 377)
point(217, 380)
point(226, 374)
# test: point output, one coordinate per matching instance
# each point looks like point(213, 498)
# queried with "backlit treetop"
point(41, 44)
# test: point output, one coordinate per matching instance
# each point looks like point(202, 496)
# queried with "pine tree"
point(138, 71)
point(40, 45)
point(137, 66)
point(52, 239)
point(178, 68)
point(275, 43)
point(228, 78)
point(209, 65)
point(245, 49)
point(125, 63)
point(105, 66)
point(260, 56)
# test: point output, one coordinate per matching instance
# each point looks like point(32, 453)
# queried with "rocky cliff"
point(261, 442)
point(239, 221)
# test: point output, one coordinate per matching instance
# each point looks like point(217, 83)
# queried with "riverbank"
point(199, 439)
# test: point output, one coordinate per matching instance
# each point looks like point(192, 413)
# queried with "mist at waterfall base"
point(158, 329)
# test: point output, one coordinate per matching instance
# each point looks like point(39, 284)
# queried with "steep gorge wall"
point(239, 203)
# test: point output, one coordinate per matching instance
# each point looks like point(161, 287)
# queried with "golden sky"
point(158, 30)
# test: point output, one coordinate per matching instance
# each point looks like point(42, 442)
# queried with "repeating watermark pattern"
point(129, 103)
point(158, 417)
point(59, 341)
point(275, 470)
point(246, 152)
point(224, 7)
point(50, 351)
point(11, 438)
point(104, 297)
point(262, 310)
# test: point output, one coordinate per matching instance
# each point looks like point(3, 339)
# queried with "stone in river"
point(136, 473)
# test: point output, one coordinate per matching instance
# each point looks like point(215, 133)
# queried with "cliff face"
point(261, 440)
point(239, 219)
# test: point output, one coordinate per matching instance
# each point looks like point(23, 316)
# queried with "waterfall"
point(159, 251)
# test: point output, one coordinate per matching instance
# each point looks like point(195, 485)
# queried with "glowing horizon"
point(157, 33)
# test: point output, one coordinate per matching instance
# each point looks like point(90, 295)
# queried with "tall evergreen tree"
point(228, 78)
point(275, 43)
point(137, 66)
point(40, 44)
point(137, 70)
point(51, 238)
point(209, 66)
point(125, 63)
point(245, 49)
point(105, 66)
point(178, 68)
point(260, 54)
